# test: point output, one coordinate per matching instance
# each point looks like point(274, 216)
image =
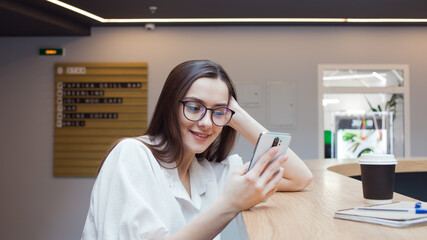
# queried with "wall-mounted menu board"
point(95, 104)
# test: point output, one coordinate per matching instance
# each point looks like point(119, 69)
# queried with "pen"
point(409, 210)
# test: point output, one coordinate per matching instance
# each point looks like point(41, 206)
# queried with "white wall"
point(35, 205)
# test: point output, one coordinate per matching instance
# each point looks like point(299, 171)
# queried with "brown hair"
point(163, 125)
point(164, 133)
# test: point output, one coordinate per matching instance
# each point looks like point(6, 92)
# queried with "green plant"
point(390, 105)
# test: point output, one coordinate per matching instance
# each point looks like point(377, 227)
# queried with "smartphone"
point(267, 140)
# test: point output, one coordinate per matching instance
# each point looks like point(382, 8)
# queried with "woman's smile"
point(200, 136)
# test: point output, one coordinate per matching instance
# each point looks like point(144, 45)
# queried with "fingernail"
point(274, 149)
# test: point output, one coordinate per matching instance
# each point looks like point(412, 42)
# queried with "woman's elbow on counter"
point(297, 184)
point(304, 181)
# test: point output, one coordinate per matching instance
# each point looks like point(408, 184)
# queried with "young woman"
point(177, 181)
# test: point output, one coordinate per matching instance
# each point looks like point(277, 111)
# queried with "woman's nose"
point(206, 121)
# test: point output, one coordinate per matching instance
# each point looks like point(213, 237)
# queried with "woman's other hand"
point(233, 105)
point(244, 123)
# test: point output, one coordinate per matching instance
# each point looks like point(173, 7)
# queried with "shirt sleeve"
point(119, 206)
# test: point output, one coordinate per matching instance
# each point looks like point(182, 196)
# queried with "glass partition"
point(361, 90)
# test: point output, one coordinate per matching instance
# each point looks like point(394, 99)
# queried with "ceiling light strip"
point(386, 20)
point(236, 20)
point(222, 20)
point(77, 10)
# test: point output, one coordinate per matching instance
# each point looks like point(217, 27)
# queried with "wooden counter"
point(309, 214)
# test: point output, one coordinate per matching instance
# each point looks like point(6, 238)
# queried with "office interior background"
point(36, 205)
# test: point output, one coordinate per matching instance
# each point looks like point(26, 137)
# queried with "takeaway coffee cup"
point(378, 177)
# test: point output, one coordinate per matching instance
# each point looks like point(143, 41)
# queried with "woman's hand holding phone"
point(246, 189)
point(267, 140)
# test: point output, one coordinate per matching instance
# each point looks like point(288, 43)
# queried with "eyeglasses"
point(194, 111)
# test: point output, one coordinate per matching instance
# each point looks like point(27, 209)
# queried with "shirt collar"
point(199, 177)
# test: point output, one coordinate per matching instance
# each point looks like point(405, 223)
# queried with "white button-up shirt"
point(135, 198)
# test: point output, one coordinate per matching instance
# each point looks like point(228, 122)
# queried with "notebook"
point(387, 218)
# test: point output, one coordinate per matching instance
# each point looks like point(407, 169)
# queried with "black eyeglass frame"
point(184, 102)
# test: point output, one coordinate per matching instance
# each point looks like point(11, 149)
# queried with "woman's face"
point(198, 136)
